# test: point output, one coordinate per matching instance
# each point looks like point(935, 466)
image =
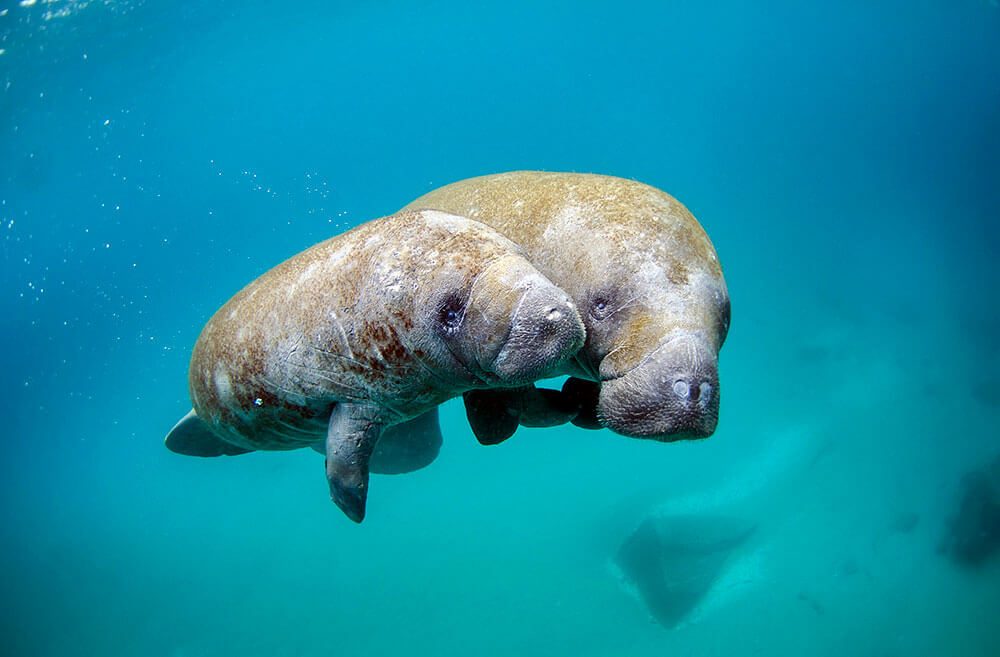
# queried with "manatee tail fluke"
point(193, 437)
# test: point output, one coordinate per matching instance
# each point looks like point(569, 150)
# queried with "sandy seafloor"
point(155, 157)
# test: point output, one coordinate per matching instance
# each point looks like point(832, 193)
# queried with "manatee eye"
point(600, 308)
point(450, 314)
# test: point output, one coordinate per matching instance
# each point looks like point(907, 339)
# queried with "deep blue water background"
point(155, 157)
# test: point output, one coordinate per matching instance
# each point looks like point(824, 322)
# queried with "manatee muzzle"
point(671, 395)
point(545, 331)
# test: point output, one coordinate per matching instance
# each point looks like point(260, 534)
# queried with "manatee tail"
point(192, 437)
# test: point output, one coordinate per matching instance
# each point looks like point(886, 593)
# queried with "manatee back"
point(627, 221)
point(266, 370)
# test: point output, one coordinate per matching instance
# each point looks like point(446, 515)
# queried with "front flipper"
point(408, 446)
point(583, 395)
point(544, 407)
point(493, 414)
point(193, 437)
point(350, 439)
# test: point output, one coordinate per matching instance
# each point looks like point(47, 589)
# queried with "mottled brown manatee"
point(367, 331)
point(649, 288)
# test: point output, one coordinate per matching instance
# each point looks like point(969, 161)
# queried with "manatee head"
point(669, 391)
point(656, 317)
point(488, 318)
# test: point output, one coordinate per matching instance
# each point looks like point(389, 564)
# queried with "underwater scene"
point(842, 158)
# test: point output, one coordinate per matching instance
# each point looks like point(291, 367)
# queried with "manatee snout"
point(672, 395)
point(545, 330)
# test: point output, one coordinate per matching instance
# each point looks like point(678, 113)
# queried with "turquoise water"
point(157, 156)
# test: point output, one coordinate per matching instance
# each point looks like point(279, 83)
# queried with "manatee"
point(972, 533)
point(672, 562)
point(365, 333)
point(649, 287)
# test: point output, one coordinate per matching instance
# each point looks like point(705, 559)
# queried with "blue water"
point(843, 157)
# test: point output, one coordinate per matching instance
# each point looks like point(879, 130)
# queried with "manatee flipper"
point(408, 446)
point(584, 396)
point(350, 439)
point(493, 414)
point(544, 407)
point(193, 437)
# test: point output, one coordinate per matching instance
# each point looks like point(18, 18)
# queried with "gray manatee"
point(368, 331)
point(649, 287)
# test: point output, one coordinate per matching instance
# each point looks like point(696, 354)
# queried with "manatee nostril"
point(700, 392)
point(681, 388)
point(554, 315)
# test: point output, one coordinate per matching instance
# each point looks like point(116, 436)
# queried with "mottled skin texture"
point(642, 272)
point(373, 328)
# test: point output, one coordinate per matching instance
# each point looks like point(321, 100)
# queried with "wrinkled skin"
point(369, 330)
point(647, 282)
